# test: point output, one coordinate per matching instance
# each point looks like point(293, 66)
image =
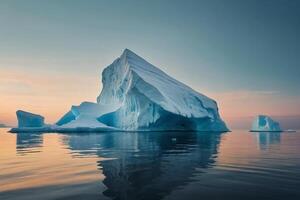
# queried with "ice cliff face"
point(27, 119)
point(149, 99)
point(265, 123)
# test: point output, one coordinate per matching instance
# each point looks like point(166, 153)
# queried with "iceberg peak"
point(133, 60)
point(129, 55)
point(128, 52)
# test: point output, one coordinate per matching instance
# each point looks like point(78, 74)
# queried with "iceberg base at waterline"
point(56, 129)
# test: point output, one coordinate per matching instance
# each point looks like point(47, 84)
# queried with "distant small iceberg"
point(3, 126)
point(290, 130)
point(264, 123)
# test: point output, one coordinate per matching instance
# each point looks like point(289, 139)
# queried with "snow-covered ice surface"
point(85, 115)
point(149, 99)
point(265, 123)
point(137, 96)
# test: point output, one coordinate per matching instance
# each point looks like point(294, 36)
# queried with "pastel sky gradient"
point(245, 54)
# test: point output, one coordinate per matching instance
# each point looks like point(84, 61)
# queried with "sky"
point(244, 54)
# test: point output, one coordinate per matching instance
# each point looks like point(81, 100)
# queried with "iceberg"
point(263, 123)
point(27, 119)
point(149, 99)
point(137, 96)
point(3, 126)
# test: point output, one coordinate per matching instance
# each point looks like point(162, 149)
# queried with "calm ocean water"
point(137, 166)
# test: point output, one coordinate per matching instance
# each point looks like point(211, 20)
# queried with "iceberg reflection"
point(28, 142)
point(267, 139)
point(147, 165)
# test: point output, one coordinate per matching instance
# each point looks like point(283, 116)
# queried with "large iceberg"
point(149, 99)
point(27, 119)
point(263, 123)
point(137, 96)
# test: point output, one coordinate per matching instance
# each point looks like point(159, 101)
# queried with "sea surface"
point(149, 165)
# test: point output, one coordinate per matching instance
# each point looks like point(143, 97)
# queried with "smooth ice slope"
point(149, 99)
point(27, 119)
point(265, 123)
point(84, 115)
